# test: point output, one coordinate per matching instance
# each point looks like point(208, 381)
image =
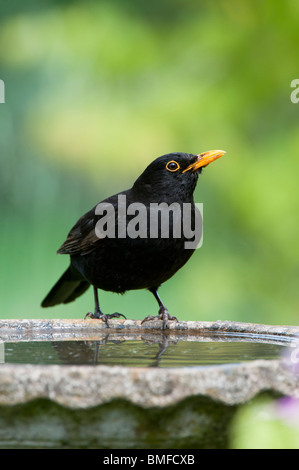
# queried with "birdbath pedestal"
point(57, 400)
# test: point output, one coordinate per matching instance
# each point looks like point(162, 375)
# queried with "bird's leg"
point(163, 312)
point(97, 311)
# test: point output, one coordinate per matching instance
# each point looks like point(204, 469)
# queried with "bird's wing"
point(82, 238)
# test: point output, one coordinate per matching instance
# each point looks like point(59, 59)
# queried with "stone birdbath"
point(78, 384)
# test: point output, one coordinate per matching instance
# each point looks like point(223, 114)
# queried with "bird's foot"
point(104, 317)
point(162, 315)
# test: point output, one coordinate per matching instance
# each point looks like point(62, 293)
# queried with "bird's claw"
point(104, 317)
point(162, 315)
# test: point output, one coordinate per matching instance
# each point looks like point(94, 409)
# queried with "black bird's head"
point(174, 176)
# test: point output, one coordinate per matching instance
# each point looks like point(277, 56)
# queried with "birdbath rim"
point(83, 386)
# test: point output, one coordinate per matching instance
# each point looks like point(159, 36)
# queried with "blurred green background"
point(95, 90)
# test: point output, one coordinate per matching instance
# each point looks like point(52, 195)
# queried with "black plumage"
point(136, 256)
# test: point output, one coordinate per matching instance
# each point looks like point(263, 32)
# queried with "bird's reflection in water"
point(146, 350)
point(77, 352)
point(163, 343)
point(110, 351)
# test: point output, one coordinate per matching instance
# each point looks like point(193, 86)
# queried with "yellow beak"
point(203, 159)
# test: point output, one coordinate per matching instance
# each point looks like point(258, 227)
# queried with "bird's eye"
point(172, 166)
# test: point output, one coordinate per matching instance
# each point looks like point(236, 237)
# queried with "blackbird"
point(112, 249)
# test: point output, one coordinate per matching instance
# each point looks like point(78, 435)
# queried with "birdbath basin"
point(78, 384)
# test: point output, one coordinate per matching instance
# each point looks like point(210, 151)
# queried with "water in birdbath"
point(161, 352)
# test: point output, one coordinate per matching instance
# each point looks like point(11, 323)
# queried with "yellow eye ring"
point(172, 166)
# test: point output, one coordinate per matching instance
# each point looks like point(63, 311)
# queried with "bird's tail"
point(67, 288)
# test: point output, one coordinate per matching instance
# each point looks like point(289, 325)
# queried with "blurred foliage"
point(267, 424)
point(96, 90)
